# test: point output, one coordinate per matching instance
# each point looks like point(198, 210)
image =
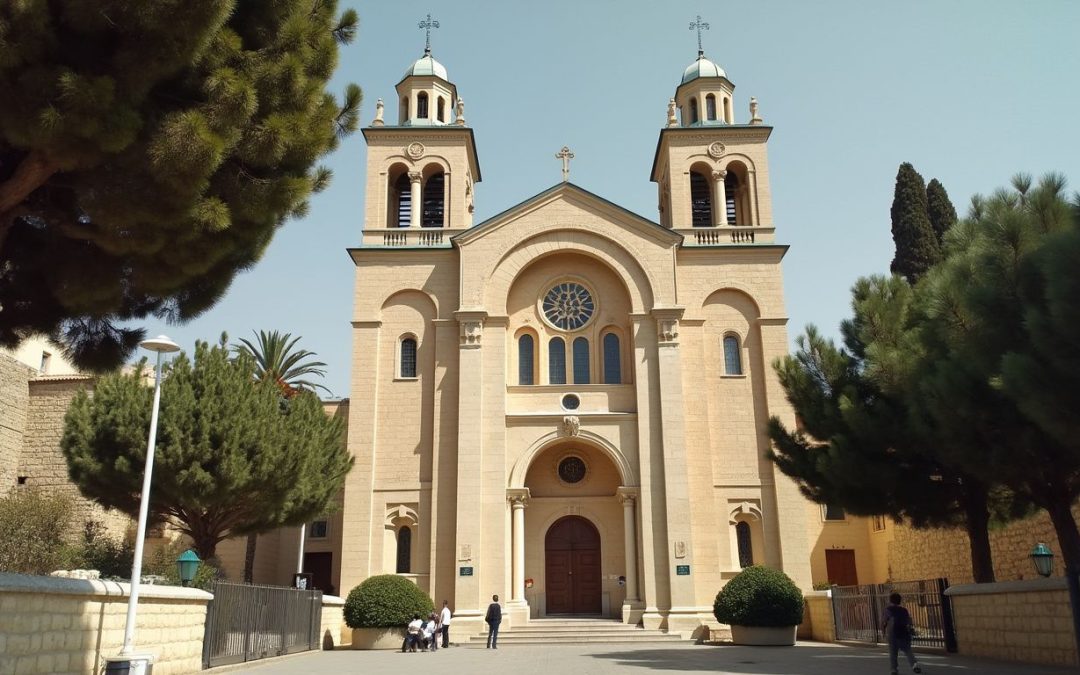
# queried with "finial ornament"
point(754, 117)
point(671, 119)
point(427, 25)
point(698, 25)
point(378, 121)
point(565, 155)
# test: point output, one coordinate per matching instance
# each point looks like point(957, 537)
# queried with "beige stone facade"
point(568, 388)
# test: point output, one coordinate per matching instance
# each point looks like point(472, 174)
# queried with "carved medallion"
point(415, 150)
point(716, 150)
point(571, 425)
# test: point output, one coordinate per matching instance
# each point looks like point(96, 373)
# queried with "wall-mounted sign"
point(467, 572)
point(682, 570)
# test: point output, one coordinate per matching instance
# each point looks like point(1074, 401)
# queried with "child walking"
point(896, 623)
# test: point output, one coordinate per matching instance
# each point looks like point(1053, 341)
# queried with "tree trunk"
point(1065, 527)
point(977, 524)
point(32, 172)
point(205, 545)
point(249, 558)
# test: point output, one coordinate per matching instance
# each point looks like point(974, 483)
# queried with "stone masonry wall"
point(818, 618)
point(1028, 621)
point(14, 398)
point(927, 554)
point(68, 626)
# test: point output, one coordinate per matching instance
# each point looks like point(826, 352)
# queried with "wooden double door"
point(572, 567)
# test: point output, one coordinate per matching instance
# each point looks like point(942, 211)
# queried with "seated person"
point(413, 634)
point(431, 632)
point(427, 632)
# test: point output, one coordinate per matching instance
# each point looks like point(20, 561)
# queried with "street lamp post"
point(137, 666)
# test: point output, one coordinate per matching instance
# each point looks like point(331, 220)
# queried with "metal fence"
point(246, 623)
point(858, 610)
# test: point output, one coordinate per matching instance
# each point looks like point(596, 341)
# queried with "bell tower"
point(711, 170)
point(422, 171)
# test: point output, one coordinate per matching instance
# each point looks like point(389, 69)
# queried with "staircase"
point(573, 631)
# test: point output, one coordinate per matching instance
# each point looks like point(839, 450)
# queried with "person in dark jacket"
point(896, 624)
point(493, 618)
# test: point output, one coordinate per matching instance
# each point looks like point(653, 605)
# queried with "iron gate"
point(857, 612)
point(246, 623)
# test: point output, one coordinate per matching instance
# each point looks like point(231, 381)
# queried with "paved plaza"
point(808, 658)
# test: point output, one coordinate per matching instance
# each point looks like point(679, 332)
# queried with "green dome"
point(426, 65)
point(702, 67)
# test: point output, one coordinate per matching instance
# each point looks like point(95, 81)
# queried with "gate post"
point(946, 617)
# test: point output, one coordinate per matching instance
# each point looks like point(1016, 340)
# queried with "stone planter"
point(761, 636)
point(378, 638)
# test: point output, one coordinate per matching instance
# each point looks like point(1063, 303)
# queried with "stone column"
point(720, 210)
point(632, 607)
point(519, 499)
point(416, 205)
point(751, 188)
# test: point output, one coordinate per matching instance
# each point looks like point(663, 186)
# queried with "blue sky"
point(969, 91)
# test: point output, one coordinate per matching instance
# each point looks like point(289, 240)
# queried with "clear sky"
point(969, 91)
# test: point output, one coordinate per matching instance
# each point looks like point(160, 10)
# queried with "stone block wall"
point(333, 627)
point(1027, 621)
point(50, 625)
point(818, 618)
point(14, 398)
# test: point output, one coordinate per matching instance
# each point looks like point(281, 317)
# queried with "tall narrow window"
point(700, 200)
point(746, 544)
point(731, 191)
point(525, 359)
point(440, 109)
point(732, 360)
point(612, 360)
point(402, 194)
point(404, 551)
point(421, 105)
point(581, 361)
point(408, 357)
point(710, 107)
point(434, 199)
point(693, 111)
point(405, 109)
point(557, 361)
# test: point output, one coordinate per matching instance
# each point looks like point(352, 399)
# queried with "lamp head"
point(1043, 558)
point(187, 565)
point(160, 344)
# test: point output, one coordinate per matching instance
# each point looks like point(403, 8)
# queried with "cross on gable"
point(565, 155)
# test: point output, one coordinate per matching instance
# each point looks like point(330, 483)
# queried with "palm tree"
point(278, 361)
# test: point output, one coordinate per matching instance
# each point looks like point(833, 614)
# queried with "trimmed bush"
point(385, 601)
point(34, 531)
point(759, 596)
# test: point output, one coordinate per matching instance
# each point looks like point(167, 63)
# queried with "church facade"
point(566, 404)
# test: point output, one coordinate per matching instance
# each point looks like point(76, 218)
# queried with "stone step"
point(574, 631)
point(479, 642)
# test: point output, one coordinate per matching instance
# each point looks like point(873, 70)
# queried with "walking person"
point(896, 624)
point(444, 622)
point(493, 618)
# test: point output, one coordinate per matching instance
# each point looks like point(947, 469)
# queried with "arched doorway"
point(572, 567)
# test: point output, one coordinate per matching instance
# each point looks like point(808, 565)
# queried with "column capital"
point(719, 174)
point(415, 176)
point(518, 497)
point(667, 323)
point(472, 327)
point(627, 495)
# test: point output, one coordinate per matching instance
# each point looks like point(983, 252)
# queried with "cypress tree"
point(940, 209)
point(148, 152)
point(916, 245)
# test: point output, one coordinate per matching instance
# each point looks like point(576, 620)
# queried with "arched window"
point(700, 200)
point(556, 361)
point(729, 116)
point(404, 551)
point(401, 202)
point(421, 105)
point(710, 107)
point(732, 359)
point(745, 542)
point(581, 361)
point(731, 192)
point(693, 111)
point(408, 357)
point(434, 199)
point(612, 360)
point(440, 109)
point(525, 359)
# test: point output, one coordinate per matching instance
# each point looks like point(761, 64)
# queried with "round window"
point(571, 402)
point(572, 470)
point(568, 306)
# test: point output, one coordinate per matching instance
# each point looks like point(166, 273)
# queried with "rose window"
point(572, 470)
point(568, 306)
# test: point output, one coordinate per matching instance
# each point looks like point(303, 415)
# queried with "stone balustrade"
point(407, 237)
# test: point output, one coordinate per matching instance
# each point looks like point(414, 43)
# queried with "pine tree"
point(148, 152)
point(916, 245)
point(229, 461)
point(939, 209)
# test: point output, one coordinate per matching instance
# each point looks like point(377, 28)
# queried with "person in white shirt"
point(430, 633)
point(413, 634)
point(444, 621)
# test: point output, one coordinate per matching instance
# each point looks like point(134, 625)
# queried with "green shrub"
point(161, 562)
point(385, 601)
point(822, 586)
point(112, 556)
point(759, 596)
point(34, 527)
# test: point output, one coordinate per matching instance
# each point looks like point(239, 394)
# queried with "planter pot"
point(378, 638)
point(783, 636)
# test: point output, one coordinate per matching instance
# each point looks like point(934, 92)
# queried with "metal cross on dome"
point(699, 24)
point(565, 155)
point(427, 25)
